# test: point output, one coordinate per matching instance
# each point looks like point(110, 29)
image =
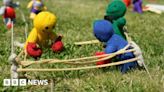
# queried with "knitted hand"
point(9, 25)
point(57, 46)
point(103, 61)
point(33, 50)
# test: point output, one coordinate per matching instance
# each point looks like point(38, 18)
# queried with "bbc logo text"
point(24, 82)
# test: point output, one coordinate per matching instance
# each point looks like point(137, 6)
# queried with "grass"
point(75, 18)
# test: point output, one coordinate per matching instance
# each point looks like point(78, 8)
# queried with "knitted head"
point(103, 30)
point(116, 9)
point(7, 2)
point(44, 22)
point(38, 4)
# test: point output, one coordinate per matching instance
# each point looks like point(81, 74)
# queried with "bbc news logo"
point(23, 82)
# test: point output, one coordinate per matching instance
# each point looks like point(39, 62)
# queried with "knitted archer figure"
point(36, 6)
point(137, 6)
point(8, 12)
point(42, 34)
point(103, 31)
point(115, 14)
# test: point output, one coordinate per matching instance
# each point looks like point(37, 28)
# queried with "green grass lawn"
point(75, 18)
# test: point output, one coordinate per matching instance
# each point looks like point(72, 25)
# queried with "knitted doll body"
point(137, 6)
point(8, 12)
point(41, 34)
point(36, 7)
point(114, 13)
point(103, 31)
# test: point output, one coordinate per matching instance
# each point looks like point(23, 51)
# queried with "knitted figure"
point(115, 14)
point(8, 12)
point(103, 31)
point(127, 2)
point(137, 6)
point(42, 34)
point(36, 6)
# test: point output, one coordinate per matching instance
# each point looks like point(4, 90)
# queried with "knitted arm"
point(2, 10)
point(108, 50)
point(121, 22)
point(53, 36)
point(57, 45)
point(31, 45)
point(44, 8)
point(118, 27)
point(30, 4)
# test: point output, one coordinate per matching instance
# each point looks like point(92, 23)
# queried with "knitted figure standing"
point(8, 12)
point(137, 6)
point(36, 7)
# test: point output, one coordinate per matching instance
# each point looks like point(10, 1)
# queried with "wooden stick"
point(25, 56)
point(19, 55)
point(93, 61)
point(109, 56)
point(92, 57)
point(127, 37)
point(81, 68)
point(147, 70)
point(151, 9)
point(87, 42)
point(106, 56)
point(52, 85)
point(90, 62)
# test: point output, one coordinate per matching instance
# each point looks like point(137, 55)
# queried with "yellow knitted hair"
point(44, 21)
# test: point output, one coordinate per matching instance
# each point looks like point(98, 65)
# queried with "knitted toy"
point(8, 12)
point(137, 6)
point(127, 2)
point(42, 34)
point(114, 13)
point(103, 31)
point(36, 6)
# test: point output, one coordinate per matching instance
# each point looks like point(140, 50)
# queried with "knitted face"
point(44, 22)
point(116, 9)
point(103, 30)
point(7, 2)
point(38, 4)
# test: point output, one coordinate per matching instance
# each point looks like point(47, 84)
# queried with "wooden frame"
point(20, 64)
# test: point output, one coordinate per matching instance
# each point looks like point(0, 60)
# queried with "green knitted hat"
point(116, 9)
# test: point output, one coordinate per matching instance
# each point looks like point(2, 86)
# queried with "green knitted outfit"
point(114, 13)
